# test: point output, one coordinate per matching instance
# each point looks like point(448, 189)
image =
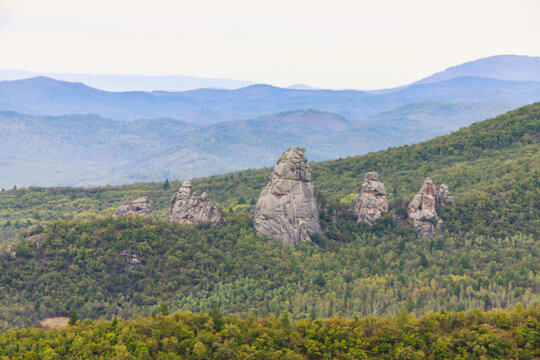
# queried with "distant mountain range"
point(44, 96)
point(124, 137)
point(115, 82)
point(501, 67)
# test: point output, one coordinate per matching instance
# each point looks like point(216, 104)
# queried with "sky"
point(329, 44)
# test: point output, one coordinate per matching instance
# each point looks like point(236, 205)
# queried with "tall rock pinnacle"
point(287, 206)
point(371, 202)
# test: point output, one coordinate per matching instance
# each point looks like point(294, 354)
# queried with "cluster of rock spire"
point(288, 209)
point(185, 208)
point(371, 204)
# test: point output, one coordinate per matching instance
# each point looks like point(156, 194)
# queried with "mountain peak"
point(301, 87)
point(47, 81)
point(501, 67)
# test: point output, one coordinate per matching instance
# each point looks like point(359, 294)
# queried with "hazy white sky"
point(334, 44)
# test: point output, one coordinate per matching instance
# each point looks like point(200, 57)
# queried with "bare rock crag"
point(443, 196)
point(422, 210)
point(191, 208)
point(137, 205)
point(371, 202)
point(287, 207)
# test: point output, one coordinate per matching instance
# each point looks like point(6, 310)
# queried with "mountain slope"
point(42, 150)
point(330, 136)
point(81, 148)
point(502, 67)
point(485, 257)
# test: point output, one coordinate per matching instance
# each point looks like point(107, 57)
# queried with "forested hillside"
point(118, 152)
point(486, 255)
point(434, 336)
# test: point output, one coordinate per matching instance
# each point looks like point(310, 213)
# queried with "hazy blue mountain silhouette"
point(44, 96)
point(116, 82)
point(502, 67)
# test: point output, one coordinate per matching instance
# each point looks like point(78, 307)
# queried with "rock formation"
point(443, 196)
point(371, 202)
point(188, 208)
point(287, 206)
point(422, 210)
point(137, 205)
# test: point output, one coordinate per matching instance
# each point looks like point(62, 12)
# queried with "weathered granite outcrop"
point(287, 207)
point(191, 208)
point(371, 202)
point(443, 197)
point(422, 210)
point(137, 205)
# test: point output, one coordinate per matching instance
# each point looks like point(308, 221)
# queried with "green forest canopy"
point(438, 336)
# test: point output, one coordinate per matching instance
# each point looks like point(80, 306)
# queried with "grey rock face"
point(371, 202)
point(188, 208)
point(287, 207)
point(422, 210)
point(443, 196)
point(137, 205)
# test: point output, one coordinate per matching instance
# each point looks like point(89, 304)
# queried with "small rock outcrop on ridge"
point(287, 206)
point(422, 210)
point(188, 208)
point(371, 202)
point(137, 205)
